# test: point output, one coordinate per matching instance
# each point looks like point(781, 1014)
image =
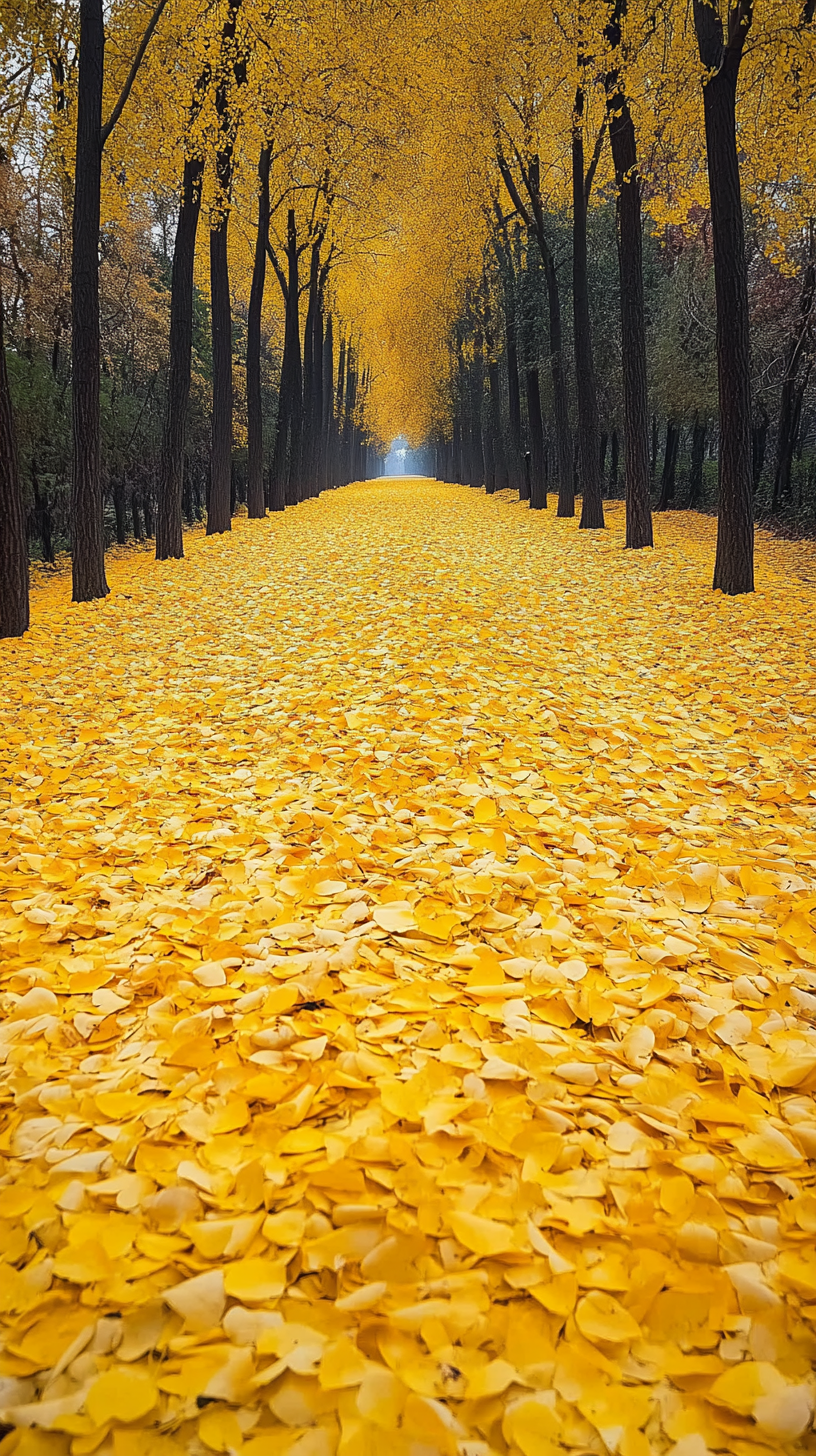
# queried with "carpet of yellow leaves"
point(408, 990)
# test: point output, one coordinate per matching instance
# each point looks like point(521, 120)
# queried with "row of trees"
point(512, 420)
point(243, 238)
point(230, 111)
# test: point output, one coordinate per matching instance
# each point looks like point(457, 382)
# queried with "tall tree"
point(256, 508)
point(169, 528)
point(630, 268)
point(589, 434)
point(231, 74)
point(13, 543)
point(87, 525)
point(721, 50)
point(533, 216)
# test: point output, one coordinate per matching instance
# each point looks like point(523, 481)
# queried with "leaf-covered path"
point(409, 977)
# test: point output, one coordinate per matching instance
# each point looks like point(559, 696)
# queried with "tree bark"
point(669, 466)
point(698, 444)
point(328, 405)
point(169, 531)
point(218, 512)
point(721, 55)
point(538, 484)
point(256, 505)
point(633, 314)
point(311, 363)
point(87, 521)
point(478, 468)
point(592, 517)
point(759, 444)
point(533, 217)
point(500, 471)
point(14, 609)
point(219, 509)
point(790, 400)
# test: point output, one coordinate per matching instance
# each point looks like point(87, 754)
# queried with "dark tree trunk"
point(219, 506)
point(478, 468)
point(734, 566)
point(563, 434)
point(698, 445)
point(294, 483)
point(604, 448)
point(312, 363)
point(256, 506)
point(655, 447)
point(169, 531)
point(87, 526)
point(147, 507)
point(500, 473)
point(759, 445)
point(138, 534)
point(14, 612)
point(534, 220)
point(633, 312)
point(349, 431)
point(42, 508)
point(669, 466)
point(592, 517)
point(614, 464)
point(790, 402)
point(328, 405)
point(120, 511)
point(538, 484)
point(339, 421)
point(514, 409)
point(286, 459)
point(187, 498)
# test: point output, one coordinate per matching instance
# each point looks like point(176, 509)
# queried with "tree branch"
point(134, 71)
point(514, 194)
point(279, 273)
point(596, 157)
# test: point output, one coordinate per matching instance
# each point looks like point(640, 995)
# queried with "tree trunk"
point(328, 405)
point(759, 445)
point(538, 484)
point(592, 517)
point(169, 531)
point(478, 468)
point(256, 506)
point(42, 509)
point(669, 466)
point(632, 307)
point(87, 521)
point(563, 434)
point(219, 508)
point(293, 484)
point(655, 448)
point(614, 463)
point(698, 445)
point(500, 471)
point(138, 534)
point(734, 566)
point(311, 363)
point(789, 409)
point(14, 612)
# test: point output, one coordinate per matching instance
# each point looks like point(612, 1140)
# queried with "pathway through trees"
point(409, 977)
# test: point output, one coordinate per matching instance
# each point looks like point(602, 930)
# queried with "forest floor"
point(409, 988)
